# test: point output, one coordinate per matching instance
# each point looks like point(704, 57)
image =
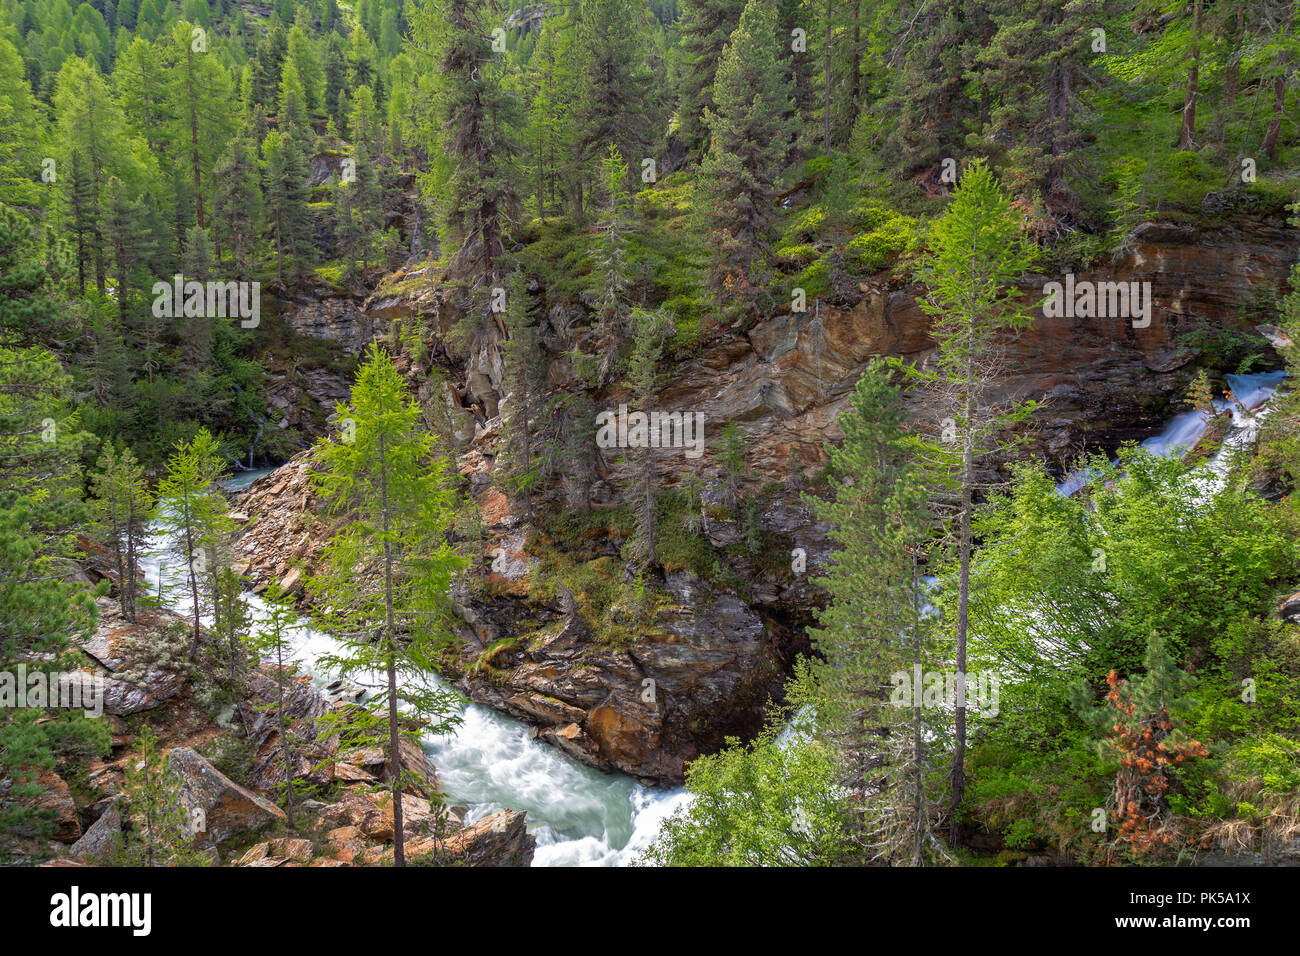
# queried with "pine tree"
point(126, 232)
point(1032, 73)
point(614, 105)
point(193, 513)
point(613, 281)
point(237, 202)
point(335, 80)
point(23, 136)
point(388, 483)
point(92, 147)
point(161, 829)
point(1138, 725)
point(122, 505)
point(749, 144)
point(977, 251)
point(927, 111)
point(286, 198)
point(477, 132)
point(705, 27)
point(873, 628)
point(518, 466)
point(644, 379)
point(549, 115)
point(272, 638)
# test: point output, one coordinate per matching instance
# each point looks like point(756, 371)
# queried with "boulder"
point(226, 807)
point(371, 814)
point(501, 839)
point(103, 837)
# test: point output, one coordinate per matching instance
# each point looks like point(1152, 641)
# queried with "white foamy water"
point(1182, 432)
point(578, 815)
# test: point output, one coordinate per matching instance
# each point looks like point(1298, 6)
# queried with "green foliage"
point(161, 827)
point(773, 802)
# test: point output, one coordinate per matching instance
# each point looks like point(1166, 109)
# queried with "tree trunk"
point(289, 754)
point(958, 771)
point(919, 824)
point(1187, 135)
point(1231, 79)
point(390, 652)
point(1275, 127)
point(826, 105)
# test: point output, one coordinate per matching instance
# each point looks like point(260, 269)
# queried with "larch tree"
point(194, 514)
point(978, 249)
point(122, 506)
point(389, 565)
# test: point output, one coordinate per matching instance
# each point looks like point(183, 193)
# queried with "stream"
point(579, 815)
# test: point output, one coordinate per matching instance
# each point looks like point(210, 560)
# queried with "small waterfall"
point(1182, 432)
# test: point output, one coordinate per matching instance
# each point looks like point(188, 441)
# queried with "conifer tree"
point(705, 27)
point(271, 638)
point(389, 485)
point(200, 95)
point(977, 252)
point(644, 378)
point(873, 628)
point(286, 198)
point(749, 144)
point(122, 505)
point(237, 202)
point(193, 513)
point(519, 467)
point(477, 131)
point(615, 87)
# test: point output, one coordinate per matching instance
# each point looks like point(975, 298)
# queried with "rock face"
point(496, 840)
point(260, 716)
point(321, 312)
point(715, 651)
point(703, 669)
point(56, 801)
point(103, 837)
point(225, 808)
point(108, 648)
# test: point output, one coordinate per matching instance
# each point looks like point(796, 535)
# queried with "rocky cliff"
point(646, 688)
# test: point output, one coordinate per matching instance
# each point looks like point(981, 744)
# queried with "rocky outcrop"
point(321, 312)
point(260, 715)
point(714, 652)
point(56, 803)
point(701, 670)
point(217, 807)
point(102, 839)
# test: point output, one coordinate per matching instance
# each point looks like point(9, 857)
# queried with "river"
point(578, 815)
